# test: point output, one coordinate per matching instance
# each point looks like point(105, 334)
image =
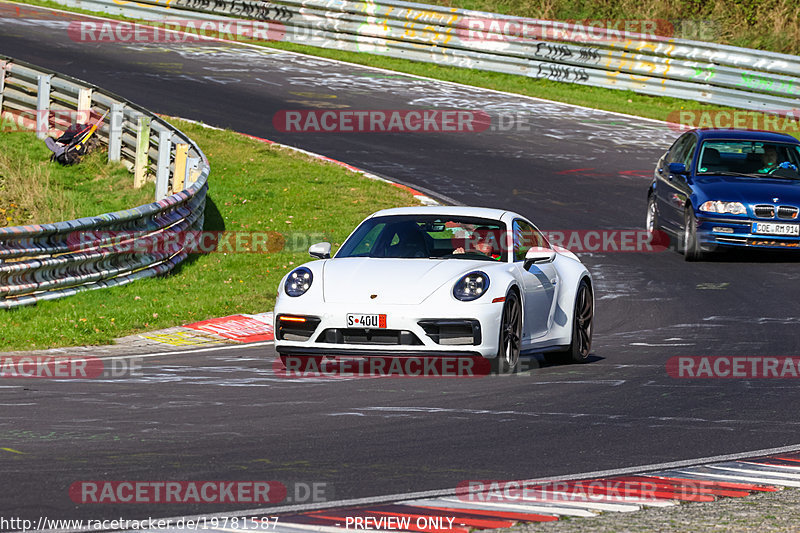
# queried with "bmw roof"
point(746, 135)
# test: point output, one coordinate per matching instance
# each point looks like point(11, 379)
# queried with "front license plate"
point(366, 321)
point(774, 228)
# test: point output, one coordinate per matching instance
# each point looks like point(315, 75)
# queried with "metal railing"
point(48, 261)
point(643, 63)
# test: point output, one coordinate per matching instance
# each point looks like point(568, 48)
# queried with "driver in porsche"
point(484, 241)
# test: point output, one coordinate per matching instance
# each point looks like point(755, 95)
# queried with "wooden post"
point(84, 105)
point(43, 106)
point(179, 174)
point(142, 152)
point(162, 175)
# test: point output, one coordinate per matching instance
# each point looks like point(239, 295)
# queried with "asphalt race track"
point(224, 415)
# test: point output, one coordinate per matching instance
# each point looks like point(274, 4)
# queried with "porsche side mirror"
point(321, 250)
point(538, 255)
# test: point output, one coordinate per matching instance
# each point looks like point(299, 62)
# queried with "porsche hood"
point(389, 281)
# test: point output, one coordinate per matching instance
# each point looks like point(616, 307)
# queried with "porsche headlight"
point(298, 282)
point(471, 286)
point(731, 208)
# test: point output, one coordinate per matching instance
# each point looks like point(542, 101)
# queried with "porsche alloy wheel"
point(507, 360)
point(582, 326)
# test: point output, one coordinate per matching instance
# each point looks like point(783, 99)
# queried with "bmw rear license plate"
point(775, 228)
point(366, 321)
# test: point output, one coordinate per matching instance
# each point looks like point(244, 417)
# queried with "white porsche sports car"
point(438, 281)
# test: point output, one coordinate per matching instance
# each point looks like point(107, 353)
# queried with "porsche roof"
point(480, 212)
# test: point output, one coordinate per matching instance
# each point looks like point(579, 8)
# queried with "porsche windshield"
point(428, 237)
point(749, 158)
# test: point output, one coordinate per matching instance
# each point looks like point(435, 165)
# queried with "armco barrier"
point(48, 261)
point(644, 63)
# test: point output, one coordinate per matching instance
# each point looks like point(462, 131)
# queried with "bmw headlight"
point(471, 286)
point(298, 282)
point(731, 208)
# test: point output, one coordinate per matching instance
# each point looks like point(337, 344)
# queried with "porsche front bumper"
point(460, 329)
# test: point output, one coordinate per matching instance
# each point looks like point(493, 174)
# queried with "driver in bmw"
point(769, 160)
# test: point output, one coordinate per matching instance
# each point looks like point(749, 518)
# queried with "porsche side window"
point(525, 237)
point(367, 242)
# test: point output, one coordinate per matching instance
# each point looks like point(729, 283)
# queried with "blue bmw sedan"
point(727, 188)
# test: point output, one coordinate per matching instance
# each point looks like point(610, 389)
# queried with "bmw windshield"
point(749, 158)
point(428, 237)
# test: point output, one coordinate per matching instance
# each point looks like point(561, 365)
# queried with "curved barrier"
point(48, 261)
point(614, 59)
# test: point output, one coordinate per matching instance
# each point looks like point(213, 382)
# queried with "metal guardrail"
point(643, 63)
point(49, 261)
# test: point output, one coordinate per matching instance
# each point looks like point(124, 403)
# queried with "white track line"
point(742, 479)
point(523, 507)
point(752, 471)
point(198, 350)
point(566, 500)
point(778, 467)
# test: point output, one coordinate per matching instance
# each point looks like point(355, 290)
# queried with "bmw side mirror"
point(538, 255)
point(321, 250)
point(677, 168)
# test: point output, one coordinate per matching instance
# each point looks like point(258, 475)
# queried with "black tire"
point(653, 225)
point(691, 248)
point(510, 341)
point(582, 326)
point(651, 222)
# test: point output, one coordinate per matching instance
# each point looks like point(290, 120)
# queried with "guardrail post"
point(84, 105)
point(115, 132)
point(2, 83)
point(162, 175)
point(43, 106)
point(142, 149)
point(179, 174)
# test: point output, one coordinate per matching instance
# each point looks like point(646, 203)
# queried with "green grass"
point(253, 187)
point(34, 190)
